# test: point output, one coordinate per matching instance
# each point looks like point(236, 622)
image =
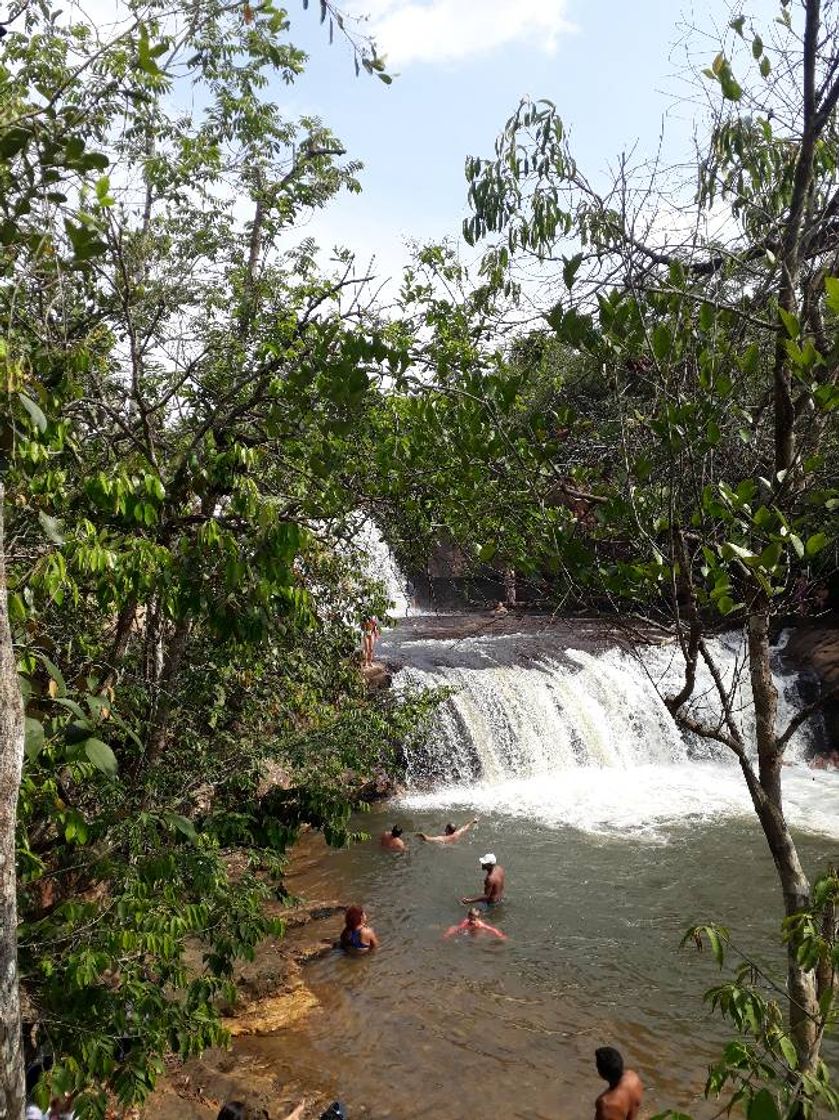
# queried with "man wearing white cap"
point(493, 883)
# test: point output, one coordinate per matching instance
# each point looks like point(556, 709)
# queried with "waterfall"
point(551, 710)
point(380, 564)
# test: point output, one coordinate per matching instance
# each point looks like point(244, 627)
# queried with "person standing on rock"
point(622, 1099)
point(493, 883)
point(370, 634)
point(450, 833)
point(392, 840)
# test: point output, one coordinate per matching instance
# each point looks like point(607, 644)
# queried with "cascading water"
point(381, 565)
point(583, 736)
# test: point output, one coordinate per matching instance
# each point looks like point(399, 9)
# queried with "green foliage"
point(759, 1071)
point(187, 403)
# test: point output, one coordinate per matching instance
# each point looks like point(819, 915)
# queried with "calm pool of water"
point(427, 1028)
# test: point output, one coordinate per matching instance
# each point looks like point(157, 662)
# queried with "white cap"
point(488, 858)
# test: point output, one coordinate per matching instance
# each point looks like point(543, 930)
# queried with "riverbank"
point(273, 998)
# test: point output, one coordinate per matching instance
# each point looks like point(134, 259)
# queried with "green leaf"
point(765, 66)
point(33, 738)
point(757, 46)
point(715, 943)
point(791, 323)
point(569, 269)
point(737, 25)
point(788, 1050)
point(55, 673)
point(831, 284)
point(487, 551)
point(725, 604)
point(181, 824)
point(51, 527)
point(661, 341)
point(37, 416)
point(815, 543)
point(762, 1106)
point(797, 545)
point(101, 755)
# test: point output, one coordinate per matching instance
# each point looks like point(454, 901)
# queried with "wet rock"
point(814, 647)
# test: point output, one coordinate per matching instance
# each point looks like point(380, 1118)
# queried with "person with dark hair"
point(450, 833)
point(357, 936)
point(622, 1099)
point(392, 839)
point(238, 1110)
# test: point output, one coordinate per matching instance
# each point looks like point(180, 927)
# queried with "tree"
point(700, 483)
point(186, 394)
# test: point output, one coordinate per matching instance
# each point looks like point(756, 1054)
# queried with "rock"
point(814, 647)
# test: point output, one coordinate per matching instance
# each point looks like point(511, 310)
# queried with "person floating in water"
point(472, 924)
point(450, 833)
point(392, 840)
point(493, 883)
point(622, 1099)
point(370, 634)
point(357, 936)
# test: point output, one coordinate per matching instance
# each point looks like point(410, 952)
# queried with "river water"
point(616, 835)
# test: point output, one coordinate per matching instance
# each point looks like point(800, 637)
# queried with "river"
point(616, 835)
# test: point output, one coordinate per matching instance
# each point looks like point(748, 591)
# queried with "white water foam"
point(584, 739)
point(646, 801)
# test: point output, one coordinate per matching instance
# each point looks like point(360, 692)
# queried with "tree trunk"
point(768, 803)
point(12, 1084)
point(158, 729)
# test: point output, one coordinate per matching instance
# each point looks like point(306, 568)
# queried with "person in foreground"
point(392, 839)
point(472, 924)
point(450, 833)
point(357, 936)
point(622, 1099)
point(493, 883)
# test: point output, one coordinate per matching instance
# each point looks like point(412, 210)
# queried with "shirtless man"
point(472, 924)
point(392, 840)
point(622, 1099)
point(450, 834)
point(493, 883)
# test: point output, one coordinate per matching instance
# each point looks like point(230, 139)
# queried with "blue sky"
point(614, 69)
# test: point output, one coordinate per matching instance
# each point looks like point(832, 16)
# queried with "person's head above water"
point(354, 916)
point(450, 830)
point(609, 1064)
point(396, 831)
point(488, 860)
point(473, 915)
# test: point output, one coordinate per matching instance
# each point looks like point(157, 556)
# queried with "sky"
point(616, 71)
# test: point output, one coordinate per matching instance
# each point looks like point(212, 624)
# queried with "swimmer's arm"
point(491, 929)
point(465, 827)
point(372, 941)
point(298, 1112)
point(478, 898)
point(451, 931)
point(431, 839)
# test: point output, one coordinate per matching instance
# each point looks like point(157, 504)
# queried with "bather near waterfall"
point(493, 883)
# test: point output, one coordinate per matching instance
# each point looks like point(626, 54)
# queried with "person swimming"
point(392, 840)
point(472, 924)
point(450, 833)
point(357, 936)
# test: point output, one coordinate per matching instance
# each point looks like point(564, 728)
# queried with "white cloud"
point(409, 31)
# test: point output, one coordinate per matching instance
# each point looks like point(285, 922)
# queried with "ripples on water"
point(439, 1029)
point(616, 835)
